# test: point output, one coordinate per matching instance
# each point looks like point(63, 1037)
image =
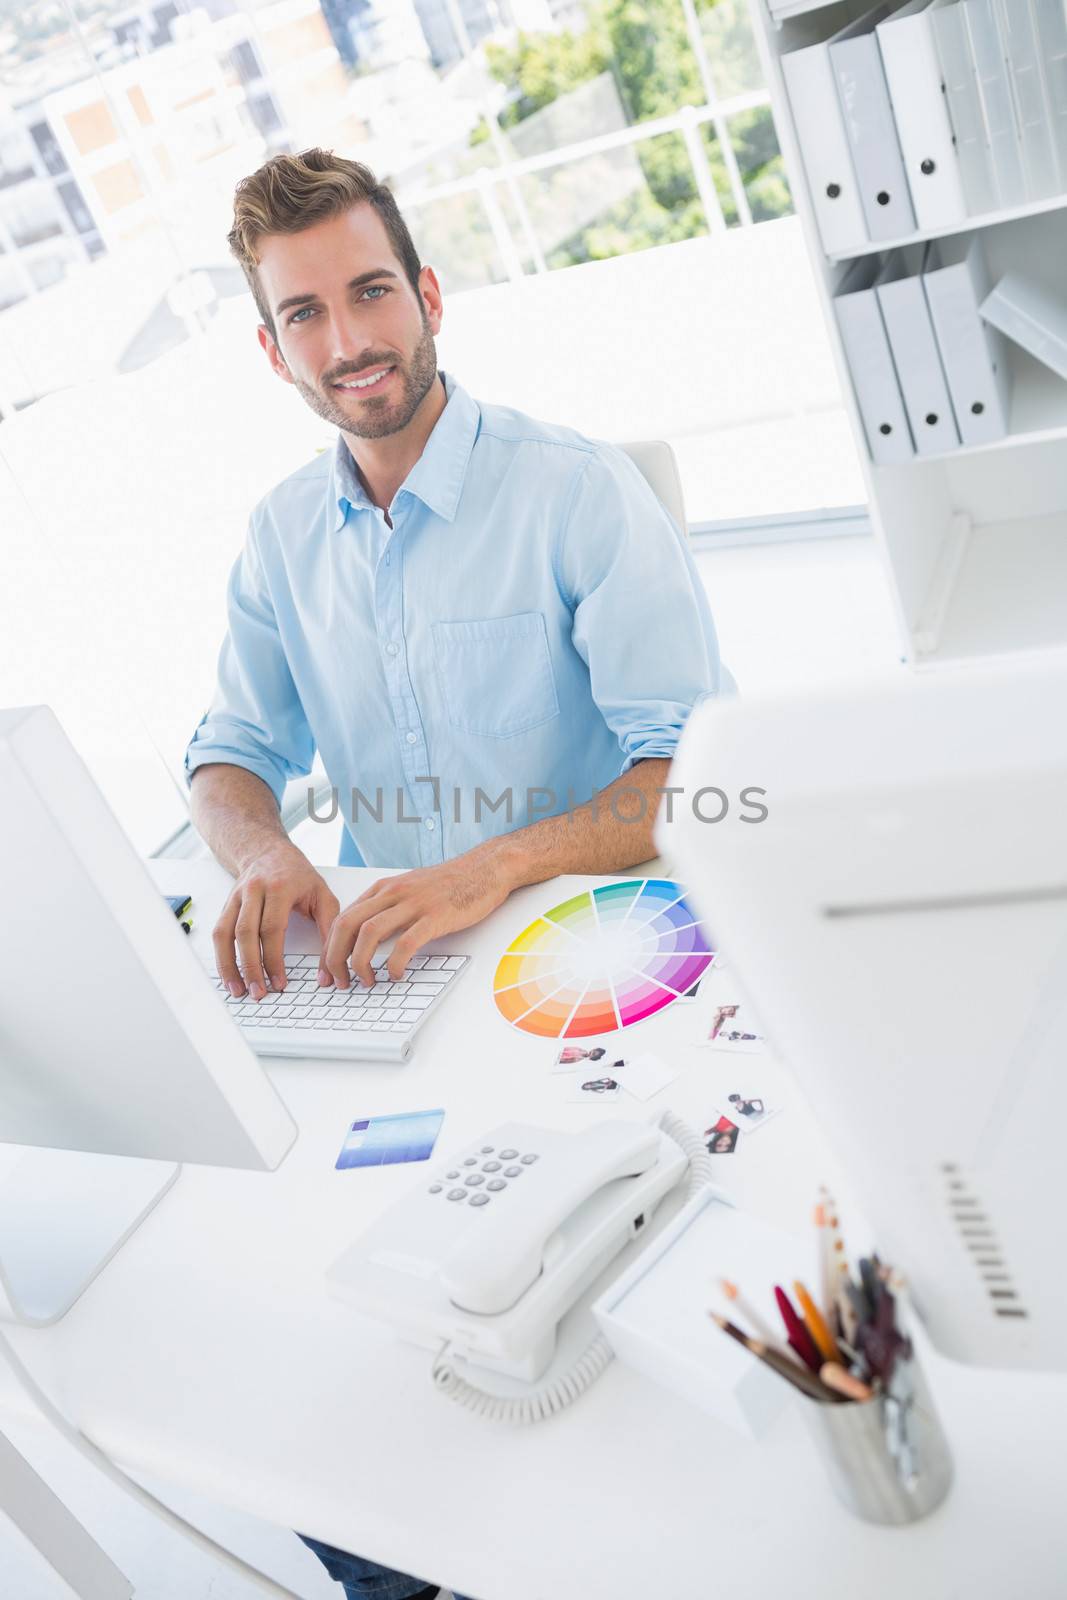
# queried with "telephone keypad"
point(475, 1180)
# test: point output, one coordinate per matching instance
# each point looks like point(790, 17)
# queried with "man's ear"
point(274, 355)
point(432, 299)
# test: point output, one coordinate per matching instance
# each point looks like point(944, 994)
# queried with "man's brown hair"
point(290, 193)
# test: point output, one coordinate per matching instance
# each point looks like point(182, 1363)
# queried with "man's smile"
point(372, 380)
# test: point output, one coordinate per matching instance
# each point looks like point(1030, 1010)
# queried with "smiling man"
point(460, 608)
point(486, 625)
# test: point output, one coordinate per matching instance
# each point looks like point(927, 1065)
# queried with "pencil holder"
point(887, 1458)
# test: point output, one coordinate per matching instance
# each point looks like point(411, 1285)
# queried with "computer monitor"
point(898, 922)
point(117, 1059)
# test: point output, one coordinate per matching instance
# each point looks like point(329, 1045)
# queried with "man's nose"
point(347, 342)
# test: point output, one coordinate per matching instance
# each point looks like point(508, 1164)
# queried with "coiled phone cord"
point(550, 1398)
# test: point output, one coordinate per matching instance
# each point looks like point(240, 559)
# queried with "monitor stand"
point(63, 1215)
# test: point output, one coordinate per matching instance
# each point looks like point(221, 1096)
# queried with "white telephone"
point(493, 1246)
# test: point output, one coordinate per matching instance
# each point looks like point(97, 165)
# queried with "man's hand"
point(417, 906)
point(279, 880)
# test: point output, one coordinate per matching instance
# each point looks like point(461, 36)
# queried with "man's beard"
point(379, 416)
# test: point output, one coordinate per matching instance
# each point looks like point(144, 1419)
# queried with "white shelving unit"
point(974, 541)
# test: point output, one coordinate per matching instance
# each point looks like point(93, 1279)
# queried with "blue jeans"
point(365, 1580)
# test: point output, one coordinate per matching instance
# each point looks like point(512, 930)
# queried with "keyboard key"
point(416, 1002)
point(479, 1199)
point(416, 962)
point(453, 963)
point(390, 1014)
point(508, 1155)
point(433, 962)
point(423, 991)
point(409, 1018)
point(496, 1184)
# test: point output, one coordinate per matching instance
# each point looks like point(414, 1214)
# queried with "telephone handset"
point(501, 1258)
point(490, 1248)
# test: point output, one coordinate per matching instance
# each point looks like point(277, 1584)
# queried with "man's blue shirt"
point(530, 627)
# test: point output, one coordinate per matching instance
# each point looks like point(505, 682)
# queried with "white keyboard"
point(357, 1023)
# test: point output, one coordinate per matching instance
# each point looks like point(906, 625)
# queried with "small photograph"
point(750, 1111)
point(595, 1089)
point(595, 1058)
point(734, 1028)
point(721, 1138)
point(691, 994)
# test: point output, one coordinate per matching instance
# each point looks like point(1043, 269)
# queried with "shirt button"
point(392, 647)
point(412, 737)
point(430, 824)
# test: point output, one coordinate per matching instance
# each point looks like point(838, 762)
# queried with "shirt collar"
point(438, 475)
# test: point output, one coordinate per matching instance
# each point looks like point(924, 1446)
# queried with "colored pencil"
point(800, 1377)
point(799, 1339)
point(816, 1324)
point(835, 1377)
point(759, 1326)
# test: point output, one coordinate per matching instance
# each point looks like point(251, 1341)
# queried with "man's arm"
point(237, 814)
point(610, 834)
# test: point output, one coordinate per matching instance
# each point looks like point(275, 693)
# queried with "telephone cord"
point(550, 1398)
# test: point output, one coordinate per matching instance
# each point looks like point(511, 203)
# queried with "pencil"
point(798, 1337)
point(835, 1377)
point(759, 1325)
point(825, 1248)
point(800, 1377)
point(816, 1324)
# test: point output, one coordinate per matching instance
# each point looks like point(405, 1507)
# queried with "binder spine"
point(1050, 22)
point(991, 70)
point(872, 135)
point(916, 90)
point(1040, 167)
point(964, 108)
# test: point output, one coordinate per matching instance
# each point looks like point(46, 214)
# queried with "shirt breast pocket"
point(496, 674)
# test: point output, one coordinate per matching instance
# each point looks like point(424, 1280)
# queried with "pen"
point(800, 1377)
point(799, 1339)
point(815, 1323)
point(760, 1327)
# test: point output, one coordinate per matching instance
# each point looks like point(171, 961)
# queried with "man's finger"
point(324, 908)
point(248, 920)
point(410, 941)
point(222, 938)
point(373, 930)
point(342, 938)
point(273, 922)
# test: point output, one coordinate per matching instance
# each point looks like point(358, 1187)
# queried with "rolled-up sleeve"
point(642, 623)
point(255, 720)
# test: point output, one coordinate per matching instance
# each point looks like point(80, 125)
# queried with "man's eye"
point(298, 314)
point(376, 288)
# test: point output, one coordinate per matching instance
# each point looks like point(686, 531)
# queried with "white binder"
point(915, 354)
point(870, 364)
point(991, 70)
point(964, 108)
point(913, 74)
point(1031, 316)
point(1040, 168)
point(1051, 24)
point(872, 133)
point(974, 355)
point(809, 81)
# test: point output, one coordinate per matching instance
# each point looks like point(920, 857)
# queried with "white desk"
point(209, 1353)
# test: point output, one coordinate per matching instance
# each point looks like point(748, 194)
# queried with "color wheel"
point(603, 960)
